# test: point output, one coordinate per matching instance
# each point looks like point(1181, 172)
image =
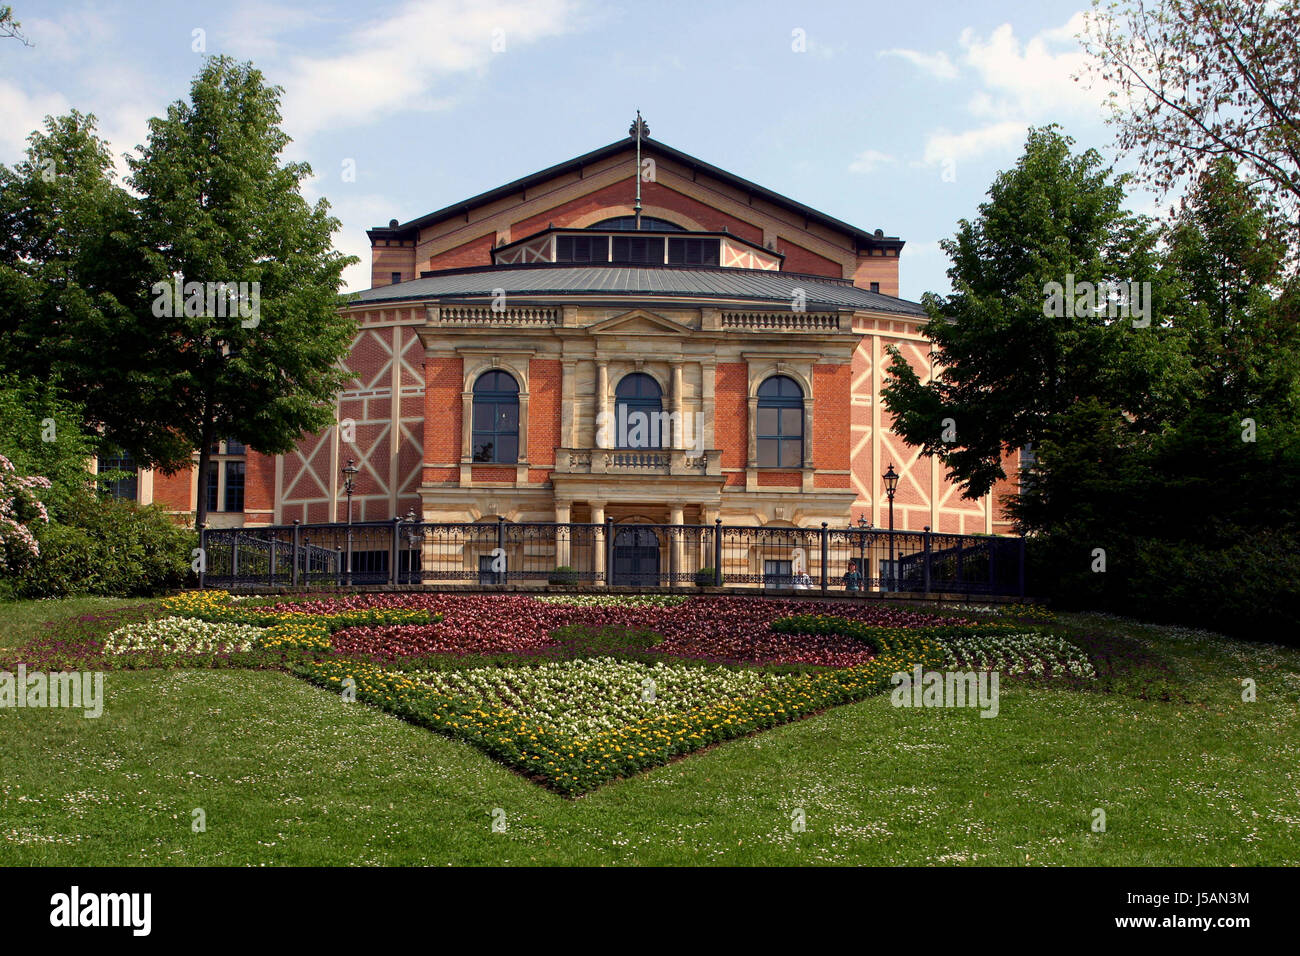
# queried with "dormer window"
point(637, 250)
point(582, 249)
point(693, 252)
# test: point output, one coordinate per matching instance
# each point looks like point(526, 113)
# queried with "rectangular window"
point(214, 473)
point(395, 278)
point(638, 250)
point(875, 287)
point(234, 486)
point(126, 484)
point(582, 249)
point(693, 252)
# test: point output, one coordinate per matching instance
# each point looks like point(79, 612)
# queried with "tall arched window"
point(496, 418)
point(780, 423)
point(638, 404)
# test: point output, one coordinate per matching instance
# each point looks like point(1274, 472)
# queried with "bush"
point(707, 577)
point(563, 575)
point(106, 546)
point(1246, 584)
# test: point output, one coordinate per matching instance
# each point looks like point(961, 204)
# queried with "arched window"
point(496, 418)
point(638, 407)
point(629, 222)
point(780, 423)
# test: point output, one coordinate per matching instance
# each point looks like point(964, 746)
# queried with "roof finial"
point(639, 129)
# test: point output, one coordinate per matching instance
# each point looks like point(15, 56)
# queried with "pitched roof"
point(408, 230)
point(657, 282)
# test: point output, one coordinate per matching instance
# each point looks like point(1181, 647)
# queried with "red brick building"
point(504, 339)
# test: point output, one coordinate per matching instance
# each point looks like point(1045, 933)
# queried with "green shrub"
point(1244, 583)
point(707, 577)
point(106, 546)
point(563, 575)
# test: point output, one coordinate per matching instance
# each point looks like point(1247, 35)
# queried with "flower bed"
point(573, 764)
point(1039, 655)
point(614, 600)
point(219, 606)
point(582, 691)
point(179, 635)
point(724, 630)
point(999, 645)
point(583, 697)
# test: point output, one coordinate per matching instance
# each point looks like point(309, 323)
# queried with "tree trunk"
point(205, 456)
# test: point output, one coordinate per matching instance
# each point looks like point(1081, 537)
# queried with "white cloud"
point(869, 160)
point(942, 146)
point(936, 64)
point(1031, 79)
point(24, 112)
point(398, 62)
point(71, 37)
point(256, 31)
point(1018, 83)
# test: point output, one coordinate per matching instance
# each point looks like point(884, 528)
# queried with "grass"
point(286, 773)
point(20, 621)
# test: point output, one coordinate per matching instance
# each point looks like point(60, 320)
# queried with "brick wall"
point(832, 414)
point(443, 381)
point(475, 252)
point(731, 414)
point(173, 492)
point(544, 392)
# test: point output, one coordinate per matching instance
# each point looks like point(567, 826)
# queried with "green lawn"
point(287, 773)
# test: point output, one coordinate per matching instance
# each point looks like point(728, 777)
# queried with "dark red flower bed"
point(721, 629)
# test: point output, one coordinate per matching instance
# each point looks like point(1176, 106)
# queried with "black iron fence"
point(500, 554)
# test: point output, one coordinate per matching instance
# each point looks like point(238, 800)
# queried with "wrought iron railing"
point(502, 554)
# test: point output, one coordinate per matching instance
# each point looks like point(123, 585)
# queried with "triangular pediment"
point(638, 322)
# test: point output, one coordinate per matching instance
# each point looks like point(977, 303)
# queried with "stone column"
point(679, 435)
point(563, 535)
point(598, 541)
point(602, 403)
point(676, 516)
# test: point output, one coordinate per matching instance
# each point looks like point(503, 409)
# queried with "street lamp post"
point(891, 485)
point(350, 473)
point(415, 538)
point(863, 568)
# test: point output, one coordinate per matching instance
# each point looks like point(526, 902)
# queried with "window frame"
point(497, 398)
point(644, 404)
point(779, 403)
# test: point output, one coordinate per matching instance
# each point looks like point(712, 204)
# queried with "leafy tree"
point(219, 206)
point(1009, 371)
point(74, 282)
point(1196, 80)
point(1227, 255)
point(1235, 440)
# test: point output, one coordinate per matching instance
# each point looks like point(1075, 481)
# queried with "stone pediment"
point(638, 322)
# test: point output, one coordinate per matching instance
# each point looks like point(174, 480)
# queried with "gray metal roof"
point(746, 285)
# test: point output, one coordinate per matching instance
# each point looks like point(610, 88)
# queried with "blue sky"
point(893, 116)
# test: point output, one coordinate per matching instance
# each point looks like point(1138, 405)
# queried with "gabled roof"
point(658, 283)
point(410, 230)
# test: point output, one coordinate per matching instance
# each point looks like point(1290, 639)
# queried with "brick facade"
point(406, 416)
